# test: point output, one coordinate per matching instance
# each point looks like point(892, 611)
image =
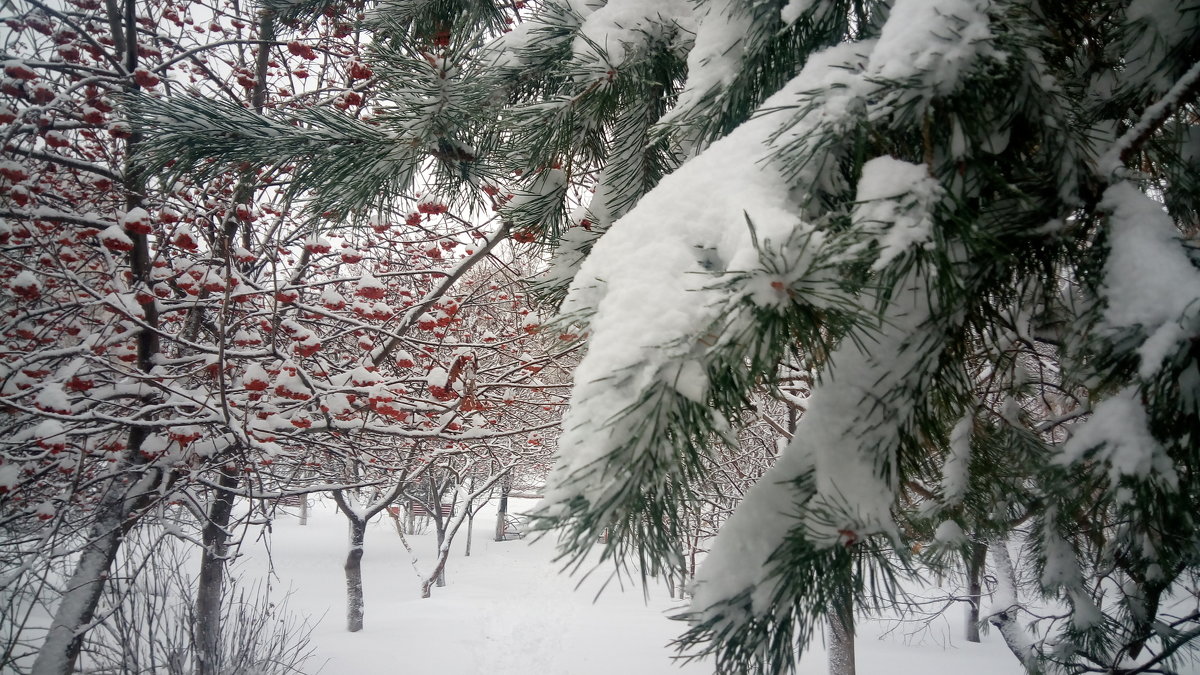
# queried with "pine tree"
point(975, 223)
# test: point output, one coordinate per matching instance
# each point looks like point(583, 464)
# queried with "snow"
point(1118, 430)
point(507, 610)
point(716, 57)
point(956, 471)
point(648, 281)
point(648, 295)
point(794, 9)
point(1112, 162)
point(136, 217)
point(1149, 280)
point(899, 224)
point(949, 532)
point(932, 40)
point(623, 28)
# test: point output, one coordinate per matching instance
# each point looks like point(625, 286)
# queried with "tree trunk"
point(77, 608)
point(303, 509)
point(1006, 607)
point(60, 649)
point(975, 588)
point(502, 511)
point(211, 585)
point(354, 583)
point(470, 530)
point(841, 638)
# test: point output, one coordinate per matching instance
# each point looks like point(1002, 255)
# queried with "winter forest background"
point(813, 318)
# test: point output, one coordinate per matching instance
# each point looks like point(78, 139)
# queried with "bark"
point(1006, 605)
point(115, 515)
point(354, 582)
point(211, 585)
point(502, 511)
point(61, 648)
point(438, 570)
point(841, 638)
point(975, 588)
point(436, 492)
point(470, 529)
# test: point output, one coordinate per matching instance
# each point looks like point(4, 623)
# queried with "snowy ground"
point(507, 610)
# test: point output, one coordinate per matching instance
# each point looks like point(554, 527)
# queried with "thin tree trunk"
point(59, 651)
point(975, 588)
point(841, 638)
point(470, 530)
point(451, 529)
point(439, 524)
point(211, 585)
point(502, 511)
point(304, 509)
point(1006, 606)
point(354, 582)
point(75, 611)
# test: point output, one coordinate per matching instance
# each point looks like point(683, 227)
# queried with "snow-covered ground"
point(507, 609)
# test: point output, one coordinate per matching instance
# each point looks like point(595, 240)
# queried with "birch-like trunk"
point(354, 582)
point(841, 638)
point(470, 530)
point(502, 510)
point(1007, 606)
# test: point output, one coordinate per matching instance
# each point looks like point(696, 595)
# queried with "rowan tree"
point(178, 342)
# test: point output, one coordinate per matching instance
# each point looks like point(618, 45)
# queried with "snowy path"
point(506, 611)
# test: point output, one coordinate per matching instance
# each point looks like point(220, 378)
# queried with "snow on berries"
point(290, 385)
point(317, 244)
point(351, 256)
point(56, 139)
point(53, 398)
point(26, 286)
point(185, 238)
point(145, 78)
point(359, 70)
point(51, 436)
point(438, 382)
point(243, 256)
point(431, 207)
point(332, 300)
point(185, 433)
point(115, 239)
point(244, 338)
point(363, 377)
point(255, 378)
point(404, 359)
point(137, 221)
point(13, 171)
point(17, 70)
point(307, 345)
point(370, 288)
